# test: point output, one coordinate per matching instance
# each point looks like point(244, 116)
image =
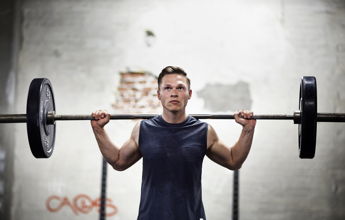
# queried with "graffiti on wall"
point(80, 204)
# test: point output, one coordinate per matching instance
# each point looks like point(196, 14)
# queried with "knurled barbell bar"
point(40, 117)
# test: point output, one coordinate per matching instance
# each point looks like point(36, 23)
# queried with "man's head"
point(172, 70)
point(174, 89)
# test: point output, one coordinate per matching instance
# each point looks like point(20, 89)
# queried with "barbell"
point(40, 117)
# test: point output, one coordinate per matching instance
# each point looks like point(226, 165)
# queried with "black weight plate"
point(40, 101)
point(308, 113)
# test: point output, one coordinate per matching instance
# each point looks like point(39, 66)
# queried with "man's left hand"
point(245, 118)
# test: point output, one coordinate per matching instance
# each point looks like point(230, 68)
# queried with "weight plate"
point(40, 101)
point(308, 114)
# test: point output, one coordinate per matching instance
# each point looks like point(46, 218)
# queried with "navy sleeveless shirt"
point(172, 163)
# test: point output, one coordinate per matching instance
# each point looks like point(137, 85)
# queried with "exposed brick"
point(137, 93)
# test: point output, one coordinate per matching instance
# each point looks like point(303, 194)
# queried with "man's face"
point(174, 92)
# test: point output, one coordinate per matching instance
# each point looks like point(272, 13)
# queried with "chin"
point(174, 110)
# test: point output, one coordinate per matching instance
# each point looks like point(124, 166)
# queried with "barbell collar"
point(297, 117)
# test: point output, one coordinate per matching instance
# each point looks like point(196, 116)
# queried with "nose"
point(174, 93)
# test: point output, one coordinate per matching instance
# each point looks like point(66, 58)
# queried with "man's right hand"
point(101, 118)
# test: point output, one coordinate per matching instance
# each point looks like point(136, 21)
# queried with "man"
point(173, 146)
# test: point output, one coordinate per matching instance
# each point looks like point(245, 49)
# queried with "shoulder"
point(210, 131)
point(154, 121)
point(137, 125)
point(194, 121)
point(212, 136)
point(136, 130)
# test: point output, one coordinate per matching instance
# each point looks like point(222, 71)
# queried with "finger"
point(94, 116)
point(98, 115)
point(106, 114)
point(244, 115)
point(248, 115)
point(102, 113)
point(240, 113)
point(237, 115)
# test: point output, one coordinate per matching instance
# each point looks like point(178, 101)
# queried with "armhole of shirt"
point(139, 134)
point(207, 127)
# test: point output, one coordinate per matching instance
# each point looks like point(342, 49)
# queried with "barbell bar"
point(52, 117)
point(40, 117)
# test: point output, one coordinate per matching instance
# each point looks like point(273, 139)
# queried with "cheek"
point(187, 95)
point(159, 95)
point(162, 96)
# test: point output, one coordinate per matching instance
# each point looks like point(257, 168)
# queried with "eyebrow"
point(179, 84)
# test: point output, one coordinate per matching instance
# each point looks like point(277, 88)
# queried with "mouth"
point(174, 102)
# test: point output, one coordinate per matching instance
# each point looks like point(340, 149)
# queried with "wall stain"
point(223, 97)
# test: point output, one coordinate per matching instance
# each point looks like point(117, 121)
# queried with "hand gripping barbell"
point(40, 117)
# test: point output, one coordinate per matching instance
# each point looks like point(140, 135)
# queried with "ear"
point(158, 94)
point(190, 93)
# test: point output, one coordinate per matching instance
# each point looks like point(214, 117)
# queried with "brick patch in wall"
point(137, 93)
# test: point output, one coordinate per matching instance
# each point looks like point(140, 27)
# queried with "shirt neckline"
point(161, 119)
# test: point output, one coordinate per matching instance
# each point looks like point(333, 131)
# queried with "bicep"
point(129, 152)
point(217, 151)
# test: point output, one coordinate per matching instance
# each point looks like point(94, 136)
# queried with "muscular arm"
point(120, 158)
point(231, 158)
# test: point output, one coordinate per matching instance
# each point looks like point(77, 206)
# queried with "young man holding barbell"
point(173, 146)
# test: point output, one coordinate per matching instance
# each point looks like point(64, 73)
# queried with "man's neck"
point(174, 117)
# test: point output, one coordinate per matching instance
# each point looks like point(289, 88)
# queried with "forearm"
point(109, 151)
point(240, 150)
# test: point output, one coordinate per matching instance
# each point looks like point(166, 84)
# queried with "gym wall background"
point(238, 54)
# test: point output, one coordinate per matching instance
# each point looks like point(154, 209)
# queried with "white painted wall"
point(81, 46)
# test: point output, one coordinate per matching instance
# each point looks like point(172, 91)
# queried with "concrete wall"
point(9, 43)
point(248, 54)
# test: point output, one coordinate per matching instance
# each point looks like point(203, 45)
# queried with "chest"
point(187, 144)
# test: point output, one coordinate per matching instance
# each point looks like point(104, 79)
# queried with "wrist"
point(98, 129)
point(248, 129)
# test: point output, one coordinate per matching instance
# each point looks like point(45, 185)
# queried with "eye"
point(181, 88)
point(167, 88)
